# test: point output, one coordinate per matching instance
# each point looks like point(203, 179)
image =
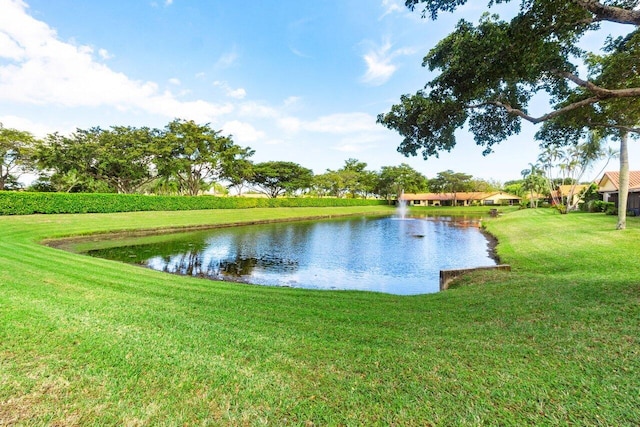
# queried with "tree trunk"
point(193, 185)
point(533, 204)
point(623, 190)
point(3, 177)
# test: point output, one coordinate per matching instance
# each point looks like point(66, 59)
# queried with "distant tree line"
point(188, 158)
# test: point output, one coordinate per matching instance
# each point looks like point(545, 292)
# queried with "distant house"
point(563, 191)
point(460, 199)
point(539, 197)
point(609, 187)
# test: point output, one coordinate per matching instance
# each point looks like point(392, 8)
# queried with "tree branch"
point(628, 129)
point(604, 12)
point(600, 92)
point(536, 120)
point(600, 11)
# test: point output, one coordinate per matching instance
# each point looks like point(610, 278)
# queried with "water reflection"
point(377, 254)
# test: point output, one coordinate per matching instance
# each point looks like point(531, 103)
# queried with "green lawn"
point(86, 341)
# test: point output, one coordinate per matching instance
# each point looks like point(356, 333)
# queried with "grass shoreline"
point(88, 341)
point(69, 243)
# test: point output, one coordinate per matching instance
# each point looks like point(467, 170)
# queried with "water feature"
point(379, 254)
point(402, 209)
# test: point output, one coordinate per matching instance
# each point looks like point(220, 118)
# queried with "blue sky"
point(300, 81)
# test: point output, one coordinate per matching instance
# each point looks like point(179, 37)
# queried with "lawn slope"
point(87, 341)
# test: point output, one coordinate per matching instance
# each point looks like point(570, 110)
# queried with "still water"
point(381, 254)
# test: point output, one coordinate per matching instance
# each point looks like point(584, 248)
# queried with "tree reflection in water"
point(376, 254)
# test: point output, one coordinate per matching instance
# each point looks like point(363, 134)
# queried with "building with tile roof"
point(609, 187)
point(460, 199)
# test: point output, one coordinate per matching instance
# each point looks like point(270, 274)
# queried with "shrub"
point(561, 208)
point(25, 203)
point(591, 206)
point(600, 206)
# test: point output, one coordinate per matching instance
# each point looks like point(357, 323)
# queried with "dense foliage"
point(277, 178)
point(184, 158)
point(351, 180)
point(396, 179)
point(25, 203)
point(489, 73)
point(15, 149)
point(190, 159)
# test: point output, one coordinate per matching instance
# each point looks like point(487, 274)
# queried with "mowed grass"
point(86, 341)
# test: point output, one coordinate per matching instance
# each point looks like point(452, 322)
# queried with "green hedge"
point(23, 203)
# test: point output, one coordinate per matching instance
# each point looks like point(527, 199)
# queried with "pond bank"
point(92, 342)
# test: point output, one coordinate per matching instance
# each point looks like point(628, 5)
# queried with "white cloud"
point(379, 66)
point(390, 6)
point(175, 81)
point(38, 130)
point(43, 70)
point(379, 63)
point(341, 123)
point(358, 143)
point(258, 110)
point(290, 124)
point(228, 59)
point(167, 105)
point(104, 54)
point(242, 132)
point(361, 141)
point(297, 34)
point(349, 148)
point(9, 48)
point(238, 93)
point(299, 53)
point(274, 142)
point(291, 101)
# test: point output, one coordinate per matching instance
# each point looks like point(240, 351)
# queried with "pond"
point(393, 255)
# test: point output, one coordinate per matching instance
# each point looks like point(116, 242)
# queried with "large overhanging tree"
point(490, 72)
point(617, 119)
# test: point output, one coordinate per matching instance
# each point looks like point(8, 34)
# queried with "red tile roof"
point(563, 190)
point(614, 177)
point(458, 196)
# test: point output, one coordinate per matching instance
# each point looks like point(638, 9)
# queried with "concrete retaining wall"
point(446, 276)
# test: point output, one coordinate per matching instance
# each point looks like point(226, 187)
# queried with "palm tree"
point(534, 182)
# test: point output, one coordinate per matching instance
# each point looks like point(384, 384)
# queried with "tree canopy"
point(183, 158)
point(277, 177)
point(352, 180)
point(397, 179)
point(195, 154)
point(490, 72)
point(15, 155)
point(69, 163)
point(451, 182)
